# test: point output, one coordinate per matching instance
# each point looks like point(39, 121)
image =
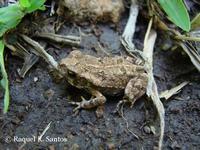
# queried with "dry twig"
point(44, 131)
point(129, 31)
point(39, 50)
point(147, 56)
point(175, 90)
point(66, 39)
point(152, 91)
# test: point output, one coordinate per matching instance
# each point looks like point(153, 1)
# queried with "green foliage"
point(24, 3)
point(4, 80)
point(10, 17)
point(34, 5)
point(177, 13)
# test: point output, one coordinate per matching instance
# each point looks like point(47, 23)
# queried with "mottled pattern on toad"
point(104, 76)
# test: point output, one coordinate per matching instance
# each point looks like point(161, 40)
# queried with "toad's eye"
point(71, 74)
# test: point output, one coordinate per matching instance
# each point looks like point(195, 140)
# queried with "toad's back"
point(108, 74)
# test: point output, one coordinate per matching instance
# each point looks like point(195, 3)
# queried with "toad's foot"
point(98, 101)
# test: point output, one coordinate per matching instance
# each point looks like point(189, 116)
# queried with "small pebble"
point(111, 146)
point(109, 131)
point(153, 130)
point(147, 129)
point(35, 79)
point(175, 145)
point(49, 94)
point(51, 147)
point(75, 146)
point(18, 70)
point(82, 129)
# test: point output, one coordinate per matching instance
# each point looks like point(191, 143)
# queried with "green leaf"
point(10, 17)
point(34, 5)
point(4, 80)
point(24, 3)
point(177, 12)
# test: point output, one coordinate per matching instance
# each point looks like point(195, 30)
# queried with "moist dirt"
point(38, 100)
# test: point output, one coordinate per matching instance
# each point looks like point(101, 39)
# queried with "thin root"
point(127, 125)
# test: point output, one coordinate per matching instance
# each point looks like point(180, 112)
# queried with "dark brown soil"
point(35, 104)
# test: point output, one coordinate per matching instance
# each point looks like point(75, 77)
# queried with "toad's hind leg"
point(135, 88)
point(97, 101)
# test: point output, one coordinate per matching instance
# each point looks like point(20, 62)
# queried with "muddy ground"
point(34, 104)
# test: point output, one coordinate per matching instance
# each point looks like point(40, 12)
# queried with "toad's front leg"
point(135, 88)
point(97, 101)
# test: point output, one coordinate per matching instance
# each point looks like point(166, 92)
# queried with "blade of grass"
point(177, 12)
point(4, 80)
point(195, 24)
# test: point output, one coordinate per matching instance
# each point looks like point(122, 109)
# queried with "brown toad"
point(104, 76)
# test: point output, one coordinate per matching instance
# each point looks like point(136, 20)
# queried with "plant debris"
point(147, 56)
point(175, 90)
point(38, 101)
